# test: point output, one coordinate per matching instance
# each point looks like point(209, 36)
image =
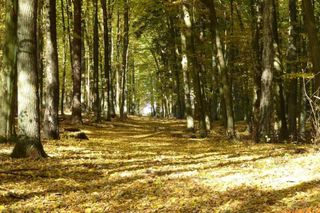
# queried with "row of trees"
point(254, 61)
point(201, 60)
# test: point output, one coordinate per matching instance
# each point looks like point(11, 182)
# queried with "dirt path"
point(147, 165)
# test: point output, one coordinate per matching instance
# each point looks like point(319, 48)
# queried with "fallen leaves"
point(131, 167)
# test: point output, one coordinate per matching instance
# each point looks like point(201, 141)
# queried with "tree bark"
point(51, 112)
point(29, 143)
point(64, 73)
point(223, 69)
point(107, 57)
point(185, 36)
point(314, 44)
point(292, 66)
point(97, 106)
point(125, 54)
point(76, 66)
point(265, 108)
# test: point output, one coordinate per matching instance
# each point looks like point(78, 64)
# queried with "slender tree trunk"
point(51, 113)
point(256, 28)
point(64, 72)
point(185, 37)
point(118, 70)
point(292, 66)
point(125, 53)
point(29, 144)
point(8, 74)
point(76, 66)
point(107, 57)
point(196, 80)
point(97, 106)
point(279, 71)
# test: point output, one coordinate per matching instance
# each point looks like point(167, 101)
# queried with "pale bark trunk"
point(185, 31)
point(29, 144)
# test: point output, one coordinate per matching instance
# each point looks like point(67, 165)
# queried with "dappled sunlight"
point(141, 166)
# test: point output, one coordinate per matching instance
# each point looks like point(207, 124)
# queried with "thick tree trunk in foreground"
point(76, 63)
point(29, 144)
point(8, 74)
point(51, 113)
point(265, 118)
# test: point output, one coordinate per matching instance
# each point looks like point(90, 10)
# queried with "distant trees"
point(8, 74)
point(197, 60)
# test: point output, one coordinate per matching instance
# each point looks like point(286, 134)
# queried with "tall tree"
point(76, 63)
point(185, 38)
point(222, 67)
point(265, 118)
point(97, 106)
point(29, 143)
point(51, 112)
point(64, 72)
point(8, 74)
point(107, 56)
point(125, 55)
point(314, 44)
point(292, 66)
point(196, 79)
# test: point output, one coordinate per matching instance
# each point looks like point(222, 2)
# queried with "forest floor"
point(151, 165)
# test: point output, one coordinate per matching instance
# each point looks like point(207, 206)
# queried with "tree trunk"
point(265, 109)
point(8, 74)
point(64, 72)
point(314, 44)
point(185, 36)
point(51, 113)
point(279, 71)
point(97, 107)
point(107, 57)
point(76, 66)
point(29, 143)
point(292, 66)
point(223, 69)
point(125, 53)
point(118, 64)
point(196, 81)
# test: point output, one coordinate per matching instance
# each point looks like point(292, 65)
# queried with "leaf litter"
point(153, 165)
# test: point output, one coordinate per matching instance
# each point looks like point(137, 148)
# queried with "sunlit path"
point(150, 165)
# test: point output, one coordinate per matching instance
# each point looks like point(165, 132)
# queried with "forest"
point(159, 106)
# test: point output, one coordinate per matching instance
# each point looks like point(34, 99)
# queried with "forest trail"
point(152, 165)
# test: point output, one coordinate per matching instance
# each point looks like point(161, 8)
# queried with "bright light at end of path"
point(146, 111)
